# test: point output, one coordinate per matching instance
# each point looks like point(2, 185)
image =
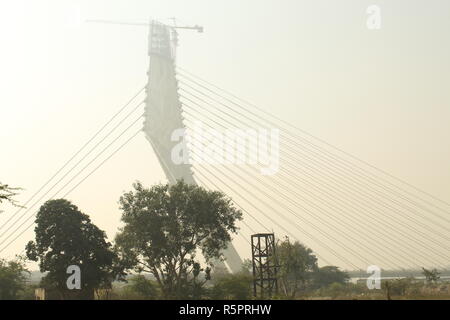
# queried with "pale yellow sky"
point(380, 95)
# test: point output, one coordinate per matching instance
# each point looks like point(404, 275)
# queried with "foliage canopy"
point(65, 236)
point(166, 225)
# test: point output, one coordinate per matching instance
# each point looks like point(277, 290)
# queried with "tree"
point(64, 237)
point(7, 194)
point(140, 288)
point(12, 278)
point(328, 275)
point(233, 287)
point(247, 266)
point(431, 276)
point(297, 264)
point(164, 228)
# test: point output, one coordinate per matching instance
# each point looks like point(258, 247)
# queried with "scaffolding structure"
point(265, 281)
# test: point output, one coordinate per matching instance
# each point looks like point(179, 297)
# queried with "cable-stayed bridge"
point(349, 212)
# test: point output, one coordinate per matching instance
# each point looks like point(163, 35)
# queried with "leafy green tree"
point(431, 276)
point(247, 266)
point(13, 276)
point(233, 287)
point(141, 288)
point(144, 287)
point(297, 263)
point(28, 292)
point(164, 228)
point(328, 275)
point(64, 237)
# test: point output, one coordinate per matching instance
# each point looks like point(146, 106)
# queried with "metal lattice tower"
point(265, 281)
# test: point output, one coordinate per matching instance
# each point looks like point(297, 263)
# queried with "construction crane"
point(174, 27)
point(145, 24)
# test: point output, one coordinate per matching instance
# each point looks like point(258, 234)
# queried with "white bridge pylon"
point(163, 114)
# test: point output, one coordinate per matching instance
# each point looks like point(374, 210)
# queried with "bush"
point(139, 288)
point(233, 287)
point(28, 292)
point(12, 279)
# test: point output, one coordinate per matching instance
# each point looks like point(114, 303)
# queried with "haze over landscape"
point(381, 95)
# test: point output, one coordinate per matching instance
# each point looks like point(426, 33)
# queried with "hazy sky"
point(381, 95)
